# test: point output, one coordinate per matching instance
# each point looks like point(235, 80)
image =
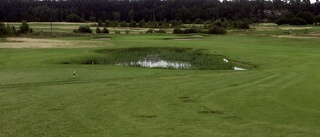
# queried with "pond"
point(154, 61)
point(168, 58)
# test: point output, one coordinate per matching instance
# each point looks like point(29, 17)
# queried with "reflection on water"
point(153, 61)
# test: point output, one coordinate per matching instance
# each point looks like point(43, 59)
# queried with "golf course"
point(54, 86)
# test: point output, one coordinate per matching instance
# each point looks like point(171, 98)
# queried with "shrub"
point(191, 30)
point(160, 31)
point(92, 19)
point(291, 21)
point(117, 32)
point(74, 18)
point(98, 30)
point(282, 21)
point(114, 24)
point(155, 31)
point(217, 30)
point(105, 30)
point(175, 23)
point(307, 16)
point(13, 30)
point(107, 23)
point(4, 30)
point(298, 21)
point(218, 23)
point(178, 31)
point(242, 25)
point(123, 24)
point(24, 28)
point(317, 19)
point(150, 31)
point(142, 23)
point(83, 29)
point(100, 24)
point(198, 21)
point(133, 23)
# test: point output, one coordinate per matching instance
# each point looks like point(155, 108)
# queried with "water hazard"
point(154, 61)
point(168, 58)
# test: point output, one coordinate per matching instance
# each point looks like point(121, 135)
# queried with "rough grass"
point(280, 98)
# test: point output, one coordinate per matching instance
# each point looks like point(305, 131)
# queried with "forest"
point(186, 11)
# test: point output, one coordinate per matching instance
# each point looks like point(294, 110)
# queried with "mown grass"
point(280, 97)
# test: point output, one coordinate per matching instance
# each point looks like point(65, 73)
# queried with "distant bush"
point(175, 23)
point(100, 23)
point(74, 18)
point(117, 32)
point(217, 30)
point(123, 24)
point(178, 31)
point(186, 31)
point(98, 30)
point(241, 25)
point(160, 31)
point(191, 30)
point(299, 21)
point(92, 19)
point(291, 21)
point(198, 21)
point(282, 21)
point(307, 16)
point(105, 30)
point(24, 27)
point(212, 30)
point(107, 23)
point(47, 34)
point(317, 19)
point(83, 29)
point(155, 31)
point(142, 24)
point(4, 31)
point(132, 23)
point(150, 31)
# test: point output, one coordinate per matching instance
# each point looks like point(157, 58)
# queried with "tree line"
point(183, 11)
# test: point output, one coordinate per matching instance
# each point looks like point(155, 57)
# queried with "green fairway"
point(280, 97)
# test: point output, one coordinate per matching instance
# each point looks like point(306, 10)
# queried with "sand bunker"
point(101, 39)
point(14, 42)
point(33, 43)
point(295, 28)
point(193, 37)
point(297, 37)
